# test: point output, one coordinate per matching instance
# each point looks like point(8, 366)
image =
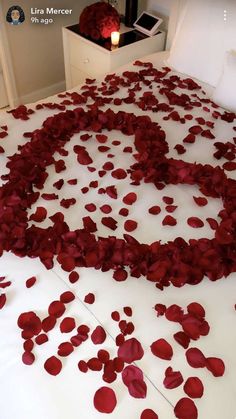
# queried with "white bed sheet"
point(29, 392)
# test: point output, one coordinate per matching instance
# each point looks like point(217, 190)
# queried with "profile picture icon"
point(15, 15)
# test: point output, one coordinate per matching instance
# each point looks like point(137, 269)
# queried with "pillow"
point(206, 30)
point(225, 92)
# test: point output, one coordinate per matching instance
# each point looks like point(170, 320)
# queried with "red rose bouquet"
point(98, 21)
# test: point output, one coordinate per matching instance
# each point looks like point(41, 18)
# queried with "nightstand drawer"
point(86, 58)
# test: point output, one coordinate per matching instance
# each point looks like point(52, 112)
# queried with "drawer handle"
point(86, 61)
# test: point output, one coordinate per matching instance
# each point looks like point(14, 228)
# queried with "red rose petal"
point(195, 222)
point(193, 387)
point(172, 379)
point(216, 366)
point(196, 310)
point(196, 129)
point(212, 223)
point(103, 355)
point(182, 339)
point(160, 309)
point(162, 349)
point(200, 201)
point(130, 225)
point(229, 166)
point(28, 358)
point(111, 191)
point(30, 282)
point(167, 200)
point(130, 198)
point(53, 365)
point(119, 174)
point(109, 222)
point(154, 210)
point(171, 208)
point(124, 212)
point(56, 309)
point(89, 298)
point(39, 215)
point(148, 414)
point(73, 277)
point(101, 138)
point(108, 166)
point(41, 339)
point(48, 323)
point(67, 325)
point(3, 300)
point(98, 336)
point(105, 400)
point(131, 373)
point(128, 311)
point(169, 221)
point(66, 297)
point(28, 345)
point(90, 207)
point(191, 326)
point(115, 316)
point(131, 350)
point(89, 225)
point(174, 313)
point(186, 409)
point(195, 358)
point(106, 209)
point(65, 349)
point(137, 389)
point(120, 275)
point(83, 367)
point(94, 364)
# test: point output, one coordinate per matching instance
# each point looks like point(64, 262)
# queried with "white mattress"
point(28, 392)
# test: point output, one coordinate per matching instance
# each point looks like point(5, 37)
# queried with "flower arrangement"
point(98, 21)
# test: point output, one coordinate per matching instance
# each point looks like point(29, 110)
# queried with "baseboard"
point(43, 93)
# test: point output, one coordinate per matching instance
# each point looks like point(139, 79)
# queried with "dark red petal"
point(119, 174)
point(131, 373)
point(190, 138)
point(137, 389)
point(130, 198)
point(89, 298)
point(195, 358)
point(73, 277)
point(168, 200)
point(53, 365)
point(148, 414)
point(200, 201)
point(83, 367)
point(174, 313)
point(196, 129)
point(120, 275)
point(30, 282)
point(154, 210)
point(131, 350)
point(172, 379)
point(28, 358)
point(182, 339)
point(193, 387)
point(3, 300)
point(67, 325)
point(130, 225)
point(105, 400)
point(103, 355)
point(162, 349)
point(128, 311)
point(40, 339)
point(101, 138)
point(160, 309)
point(115, 316)
point(196, 310)
point(98, 336)
point(216, 366)
point(66, 297)
point(56, 309)
point(109, 222)
point(186, 409)
point(195, 222)
point(124, 212)
point(39, 215)
point(28, 345)
point(94, 364)
point(48, 323)
point(169, 221)
point(106, 209)
point(65, 349)
point(90, 207)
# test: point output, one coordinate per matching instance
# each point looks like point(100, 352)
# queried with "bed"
point(91, 178)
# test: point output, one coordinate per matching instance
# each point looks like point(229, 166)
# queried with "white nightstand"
point(87, 59)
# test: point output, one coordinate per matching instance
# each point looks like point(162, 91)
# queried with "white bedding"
point(28, 392)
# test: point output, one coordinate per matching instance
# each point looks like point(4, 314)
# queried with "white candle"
point(115, 37)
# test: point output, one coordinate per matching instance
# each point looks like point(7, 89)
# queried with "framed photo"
point(148, 23)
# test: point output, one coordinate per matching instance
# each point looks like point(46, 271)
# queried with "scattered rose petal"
point(154, 210)
point(30, 282)
point(195, 358)
point(200, 201)
point(56, 309)
point(3, 300)
point(89, 298)
point(67, 325)
point(130, 198)
point(193, 387)
point(169, 221)
point(172, 378)
point(130, 225)
point(148, 414)
point(65, 349)
point(216, 366)
point(105, 400)
point(28, 358)
point(98, 336)
point(195, 222)
point(131, 350)
point(162, 349)
point(186, 409)
point(53, 365)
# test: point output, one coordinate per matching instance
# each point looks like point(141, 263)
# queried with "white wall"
point(36, 50)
